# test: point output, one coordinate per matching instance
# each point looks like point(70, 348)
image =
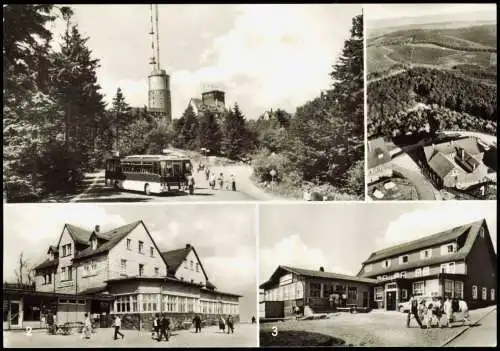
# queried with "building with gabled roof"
point(459, 262)
point(122, 271)
point(213, 101)
point(455, 164)
point(313, 291)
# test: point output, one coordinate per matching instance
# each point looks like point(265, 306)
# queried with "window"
point(368, 268)
point(404, 294)
point(426, 270)
point(448, 288)
point(352, 294)
point(386, 263)
point(123, 267)
point(127, 303)
point(403, 259)
point(149, 302)
point(63, 274)
point(152, 251)
point(169, 303)
point(315, 290)
point(181, 304)
point(379, 293)
point(47, 278)
point(197, 267)
point(418, 272)
point(448, 249)
point(69, 271)
point(129, 242)
point(448, 267)
point(157, 271)
point(426, 254)
point(474, 292)
point(64, 250)
point(459, 289)
point(185, 264)
point(484, 294)
point(418, 288)
point(141, 270)
point(492, 294)
point(403, 274)
point(141, 247)
point(192, 265)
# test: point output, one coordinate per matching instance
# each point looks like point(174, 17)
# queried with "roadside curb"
point(468, 328)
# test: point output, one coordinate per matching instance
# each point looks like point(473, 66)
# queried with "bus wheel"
point(146, 189)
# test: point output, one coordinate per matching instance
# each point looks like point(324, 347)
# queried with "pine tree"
point(121, 117)
point(189, 131)
point(235, 140)
point(209, 132)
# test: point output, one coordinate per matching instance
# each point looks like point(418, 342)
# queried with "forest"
point(57, 125)
point(390, 99)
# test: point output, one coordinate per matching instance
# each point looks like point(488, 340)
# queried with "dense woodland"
point(57, 125)
point(465, 103)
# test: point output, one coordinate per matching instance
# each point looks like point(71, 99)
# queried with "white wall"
point(190, 273)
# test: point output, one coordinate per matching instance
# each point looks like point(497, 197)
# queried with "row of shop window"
point(484, 293)
point(286, 292)
point(171, 303)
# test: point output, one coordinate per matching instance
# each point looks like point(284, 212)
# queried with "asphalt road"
point(94, 189)
point(483, 335)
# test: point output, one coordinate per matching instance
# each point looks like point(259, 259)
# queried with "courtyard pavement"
point(245, 335)
point(377, 328)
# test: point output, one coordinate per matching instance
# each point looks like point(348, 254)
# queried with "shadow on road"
point(120, 199)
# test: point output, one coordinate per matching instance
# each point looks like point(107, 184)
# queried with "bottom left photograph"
point(130, 275)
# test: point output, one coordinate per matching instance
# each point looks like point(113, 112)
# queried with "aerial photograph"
point(432, 101)
point(183, 103)
point(425, 276)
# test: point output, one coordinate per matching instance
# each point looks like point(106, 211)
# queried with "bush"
point(265, 161)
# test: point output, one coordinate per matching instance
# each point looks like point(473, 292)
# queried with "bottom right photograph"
point(385, 274)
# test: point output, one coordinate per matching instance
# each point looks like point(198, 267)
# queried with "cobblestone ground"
point(377, 328)
point(245, 335)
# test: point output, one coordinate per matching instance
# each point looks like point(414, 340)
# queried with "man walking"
point(164, 326)
point(156, 327)
point(197, 323)
point(413, 311)
point(117, 324)
point(230, 324)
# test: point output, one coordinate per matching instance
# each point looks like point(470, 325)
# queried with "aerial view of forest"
point(430, 81)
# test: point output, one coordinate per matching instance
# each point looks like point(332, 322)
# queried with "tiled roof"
point(174, 258)
point(468, 161)
point(441, 164)
point(316, 274)
point(47, 264)
point(430, 241)
point(79, 235)
point(113, 237)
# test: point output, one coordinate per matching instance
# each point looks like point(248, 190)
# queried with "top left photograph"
point(183, 103)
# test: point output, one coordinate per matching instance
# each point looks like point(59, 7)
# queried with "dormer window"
point(448, 249)
point(403, 259)
point(386, 263)
point(94, 243)
point(426, 254)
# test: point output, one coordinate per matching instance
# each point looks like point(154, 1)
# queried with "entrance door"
point(365, 298)
point(15, 309)
point(391, 300)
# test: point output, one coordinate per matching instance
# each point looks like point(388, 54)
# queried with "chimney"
point(97, 228)
point(188, 246)
point(321, 269)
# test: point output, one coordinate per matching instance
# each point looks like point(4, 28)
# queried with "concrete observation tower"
point(159, 99)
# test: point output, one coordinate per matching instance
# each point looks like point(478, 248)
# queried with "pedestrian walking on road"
point(207, 173)
point(87, 327)
point(164, 327)
point(222, 324)
point(220, 180)
point(117, 324)
point(197, 323)
point(413, 311)
point(156, 327)
point(212, 181)
point(233, 182)
point(230, 324)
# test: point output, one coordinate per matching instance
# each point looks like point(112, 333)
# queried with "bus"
point(151, 174)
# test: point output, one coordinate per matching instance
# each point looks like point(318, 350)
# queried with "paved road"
point(485, 334)
point(409, 169)
point(94, 189)
point(245, 335)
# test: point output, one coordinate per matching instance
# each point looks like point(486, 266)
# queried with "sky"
point(458, 12)
point(224, 237)
point(263, 55)
point(339, 237)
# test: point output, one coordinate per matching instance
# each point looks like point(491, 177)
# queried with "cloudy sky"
point(341, 236)
point(223, 236)
point(263, 56)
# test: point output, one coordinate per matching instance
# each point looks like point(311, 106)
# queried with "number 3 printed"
point(275, 331)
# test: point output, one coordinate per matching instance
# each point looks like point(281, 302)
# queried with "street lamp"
point(272, 172)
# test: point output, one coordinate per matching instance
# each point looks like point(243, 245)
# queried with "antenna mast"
point(157, 40)
point(152, 61)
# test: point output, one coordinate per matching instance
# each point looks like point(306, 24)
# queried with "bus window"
point(177, 168)
point(163, 168)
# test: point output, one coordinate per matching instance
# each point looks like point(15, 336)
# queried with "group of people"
point(434, 312)
point(213, 180)
point(226, 323)
point(161, 326)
